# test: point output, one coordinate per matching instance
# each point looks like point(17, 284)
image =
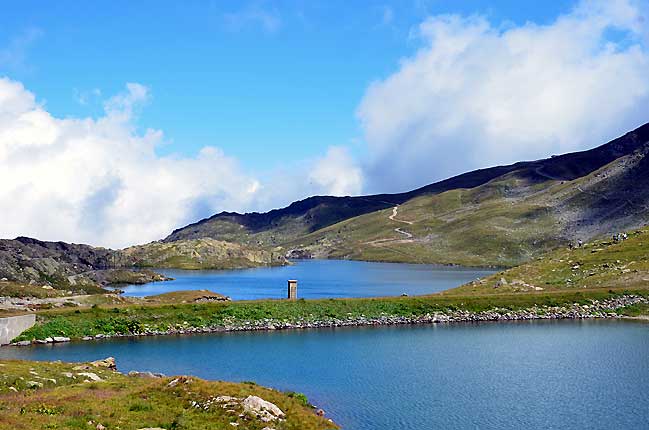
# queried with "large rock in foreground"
point(262, 409)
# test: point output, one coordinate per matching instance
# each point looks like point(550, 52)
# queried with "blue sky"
point(122, 120)
point(265, 81)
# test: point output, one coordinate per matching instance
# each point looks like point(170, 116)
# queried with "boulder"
point(60, 339)
point(262, 409)
point(148, 375)
point(108, 363)
point(91, 376)
point(23, 343)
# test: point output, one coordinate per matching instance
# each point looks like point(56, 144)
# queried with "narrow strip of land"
point(186, 318)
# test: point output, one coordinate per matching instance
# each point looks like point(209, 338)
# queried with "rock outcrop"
point(201, 254)
point(80, 269)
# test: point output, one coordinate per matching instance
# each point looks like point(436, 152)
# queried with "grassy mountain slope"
point(605, 263)
point(504, 222)
point(287, 225)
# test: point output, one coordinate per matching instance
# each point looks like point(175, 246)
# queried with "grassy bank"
point(40, 395)
point(129, 319)
point(607, 263)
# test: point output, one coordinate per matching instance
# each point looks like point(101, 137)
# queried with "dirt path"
point(395, 212)
point(386, 243)
point(405, 233)
point(408, 236)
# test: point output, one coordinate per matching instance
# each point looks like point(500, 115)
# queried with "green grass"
point(639, 310)
point(55, 396)
point(129, 319)
point(598, 264)
point(483, 226)
point(17, 289)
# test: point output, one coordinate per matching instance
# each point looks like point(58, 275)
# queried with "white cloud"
point(337, 174)
point(100, 181)
point(477, 95)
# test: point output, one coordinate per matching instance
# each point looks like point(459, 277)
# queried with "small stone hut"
point(292, 289)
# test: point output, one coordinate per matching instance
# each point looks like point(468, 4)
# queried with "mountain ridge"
point(282, 226)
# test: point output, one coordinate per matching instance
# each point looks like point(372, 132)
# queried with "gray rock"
point(108, 363)
point(91, 376)
point(262, 409)
point(22, 343)
point(136, 374)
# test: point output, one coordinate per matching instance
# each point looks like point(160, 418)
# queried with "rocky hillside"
point(201, 254)
point(286, 225)
point(75, 268)
point(30, 265)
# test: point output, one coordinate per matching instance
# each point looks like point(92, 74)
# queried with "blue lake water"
point(532, 375)
point(317, 279)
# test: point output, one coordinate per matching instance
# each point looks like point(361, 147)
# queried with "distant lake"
point(317, 279)
point(568, 375)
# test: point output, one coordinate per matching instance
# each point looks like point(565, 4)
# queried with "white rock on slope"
point(264, 410)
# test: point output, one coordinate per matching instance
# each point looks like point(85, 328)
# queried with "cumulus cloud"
point(337, 173)
point(99, 181)
point(477, 94)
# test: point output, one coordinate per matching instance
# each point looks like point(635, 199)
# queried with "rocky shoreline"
point(597, 309)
